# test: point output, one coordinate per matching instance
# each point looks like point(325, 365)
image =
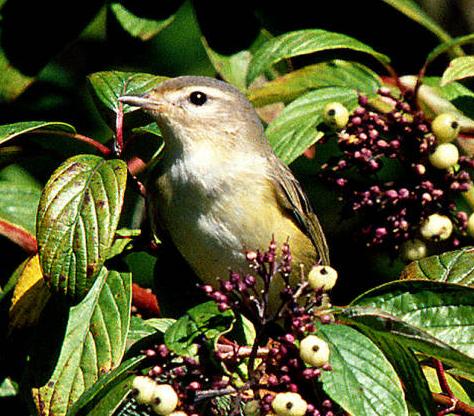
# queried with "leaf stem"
point(119, 129)
point(443, 382)
point(454, 405)
point(104, 150)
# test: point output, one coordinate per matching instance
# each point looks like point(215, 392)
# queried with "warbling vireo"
point(220, 189)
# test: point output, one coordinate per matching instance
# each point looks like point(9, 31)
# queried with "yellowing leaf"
point(30, 295)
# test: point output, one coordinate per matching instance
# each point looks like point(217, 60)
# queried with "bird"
point(219, 190)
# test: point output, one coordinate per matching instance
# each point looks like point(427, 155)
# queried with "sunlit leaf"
point(451, 267)
point(304, 42)
point(77, 218)
point(296, 127)
point(361, 381)
point(459, 68)
point(71, 359)
point(10, 131)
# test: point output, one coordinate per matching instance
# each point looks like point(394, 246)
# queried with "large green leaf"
point(459, 68)
point(451, 267)
point(296, 127)
point(303, 42)
point(10, 131)
point(93, 398)
point(202, 320)
point(77, 218)
point(12, 81)
point(68, 361)
point(108, 86)
point(139, 27)
point(383, 324)
point(325, 74)
point(361, 381)
point(443, 310)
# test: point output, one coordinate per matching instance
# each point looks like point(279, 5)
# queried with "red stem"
point(119, 128)
point(76, 136)
point(19, 236)
point(453, 405)
point(443, 382)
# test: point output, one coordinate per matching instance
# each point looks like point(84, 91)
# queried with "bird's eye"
point(197, 98)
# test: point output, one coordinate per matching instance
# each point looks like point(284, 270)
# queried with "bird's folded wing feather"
point(291, 197)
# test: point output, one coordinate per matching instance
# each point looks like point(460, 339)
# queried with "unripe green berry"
point(289, 404)
point(164, 399)
point(335, 115)
point(252, 408)
point(322, 277)
point(436, 226)
point(445, 156)
point(445, 127)
point(412, 250)
point(470, 225)
point(143, 388)
point(314, 351)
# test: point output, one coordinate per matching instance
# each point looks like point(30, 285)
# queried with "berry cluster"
point(430, 173)
point(282, 365)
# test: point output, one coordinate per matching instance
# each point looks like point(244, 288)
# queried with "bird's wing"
point(291, 198)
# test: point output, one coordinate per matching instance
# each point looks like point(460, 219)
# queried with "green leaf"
point(18, 205)
point(459, 68)
point(325, 74)
point(408, 369)
point(303, 42)
point(92, 397)
point(447, 46)
point(443, 310)
point(455, 386)
point(10, 131)
point(232, 68)
point(383, 324)
point(202, 320)
point(70, 360)
point(361, 381)
point(412, 10)
point(108, 86)
point(12, 81)
point(450, 267)
point(296, 127)
point(77, 218)
point(139, 27)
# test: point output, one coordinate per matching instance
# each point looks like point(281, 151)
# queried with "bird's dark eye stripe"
point(197, 98)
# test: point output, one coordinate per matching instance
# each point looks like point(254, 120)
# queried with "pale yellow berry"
point(436, 226)
point(178, 413)
point(289, 404)
point(445, 127)
point(164, 399)
point(445, 156)
point(336, 115)
point(470, 225)
point(322, 277)
point(412, 250)
point(252, 408)
point(143, 388)
point(314, 351)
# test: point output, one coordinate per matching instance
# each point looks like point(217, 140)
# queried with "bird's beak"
point(143, 101)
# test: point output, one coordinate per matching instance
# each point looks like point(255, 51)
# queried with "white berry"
point(436, 226)
point(445, 127)
point(336, 115)
point(178, 413)
point(164, 399)
point(289, 404)
point(143, 388)
point(412, 250)
point(322, 277)
point(470, 225)
point(314, 351)
point(444, 156)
